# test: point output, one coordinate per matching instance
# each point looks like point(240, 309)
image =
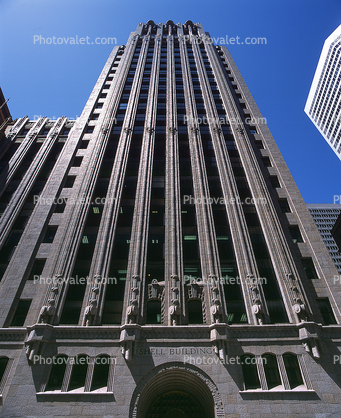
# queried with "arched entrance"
point(175, 404)
point(176, 390)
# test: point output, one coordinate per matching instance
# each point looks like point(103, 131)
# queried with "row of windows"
point(275, 379)
point(81, 373)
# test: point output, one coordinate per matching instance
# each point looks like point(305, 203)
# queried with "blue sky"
point(56, 80)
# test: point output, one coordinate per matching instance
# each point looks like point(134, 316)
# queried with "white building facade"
point(323, 105)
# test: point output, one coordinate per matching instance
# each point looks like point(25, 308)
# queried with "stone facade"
point(157, 258)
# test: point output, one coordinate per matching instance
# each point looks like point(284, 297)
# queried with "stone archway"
point(169, 389)
point(175, 404)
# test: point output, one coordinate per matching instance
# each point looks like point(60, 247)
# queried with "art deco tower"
point(157, 258)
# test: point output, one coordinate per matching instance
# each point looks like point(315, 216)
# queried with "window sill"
point(53, 396)
point(295, 390)
point(294, 394)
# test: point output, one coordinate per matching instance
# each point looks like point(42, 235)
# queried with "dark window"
point(101, 372)
point(37, 269)
point(57, 373)
point(60, 207)
point(266, 161)
point(79, 370)
point(293, 370)
point(295, 234)
point(274, 182)
point(21, 313)
point(154, 312)
point(50, 234)
point(273, 378)
point(84, 144)
point(195, 312)
point(77, 161)
point(284, 205)
point(69, 182)
point(250, 374)
point(3, 365)
point(326, 311)
point(90, 129)
point(309, 268)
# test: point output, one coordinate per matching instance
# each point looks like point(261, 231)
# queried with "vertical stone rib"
point(246, 262)
point(136, 286)
point(206, 232)
point(18, 199)
point(174, 284)
point(285, 269)
point(12, 134)
point(75, 215)
point(19, 155)
point(105, 239)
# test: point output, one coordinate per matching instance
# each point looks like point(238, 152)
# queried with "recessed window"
point(259, 144)
point(154, 312)
point(250, 373)
point(79, 371)
point(266, 161)
point(50, 234)
point(284, 205)
point(99, 105)
point(90, 129)
point(60, 207)
point(295, 234)
point(326, 311)
point(84, 144)
point(37, 269)
point(309, 268)
point(274, 182)
point(77, 162)
point(3, 365)
point(21, 313)
point(272, 375)
point(101, 372)
point(293, 370)
point(195, 312)
point(69, 182)
point(57, 373)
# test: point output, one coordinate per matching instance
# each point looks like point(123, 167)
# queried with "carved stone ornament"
point(49, 310)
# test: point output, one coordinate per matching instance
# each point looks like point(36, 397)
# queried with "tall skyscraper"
point(325, 216)
point(323, 104)
point(157, 258)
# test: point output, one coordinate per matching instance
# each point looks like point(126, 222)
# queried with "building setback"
point(157, 258)
point(323, 105)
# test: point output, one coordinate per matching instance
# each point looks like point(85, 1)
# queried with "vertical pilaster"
point(12, 134)
point(20, 153)
point(136, 283)
point(174, 283)
point(285, 269)
point(75, 214)
point(105, 239)
point(206, 233)
point(254, 299)
point(20, 195)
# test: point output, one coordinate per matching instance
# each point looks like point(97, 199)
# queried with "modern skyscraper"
point(157, 257)
point(323, 104)
point(325, 216)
